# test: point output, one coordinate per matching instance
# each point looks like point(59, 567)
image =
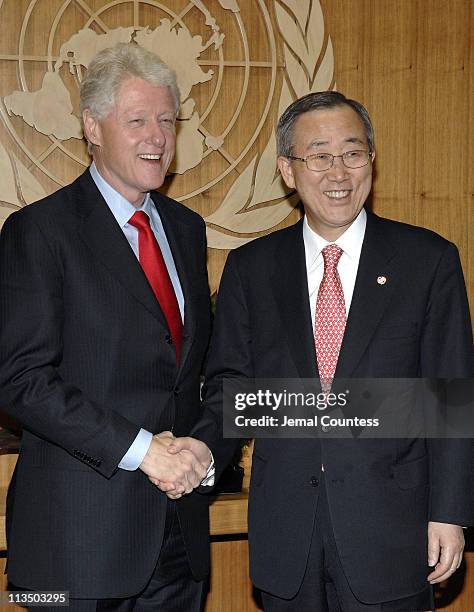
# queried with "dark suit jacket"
point(85, 362)
point(381, 493)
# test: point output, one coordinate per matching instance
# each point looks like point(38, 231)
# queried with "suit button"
point(168, 339)
point(176, 390)
point(314, 481)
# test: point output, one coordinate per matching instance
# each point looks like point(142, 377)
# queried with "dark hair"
point(316, 101)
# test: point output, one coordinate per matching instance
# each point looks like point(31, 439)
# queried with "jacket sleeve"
point(447, 352)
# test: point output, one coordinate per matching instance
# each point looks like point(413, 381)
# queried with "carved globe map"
point(238, 65)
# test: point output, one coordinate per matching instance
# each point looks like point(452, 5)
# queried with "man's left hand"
point(445, 548)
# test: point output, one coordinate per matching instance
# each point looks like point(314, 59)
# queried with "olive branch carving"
point(258, 199)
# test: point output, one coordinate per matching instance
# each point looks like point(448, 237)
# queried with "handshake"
point(176, 465)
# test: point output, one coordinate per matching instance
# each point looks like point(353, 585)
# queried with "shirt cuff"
point(137, 451)
point(209, 478)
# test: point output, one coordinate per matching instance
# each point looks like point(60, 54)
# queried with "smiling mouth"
point(149, 156)
point(337, 195)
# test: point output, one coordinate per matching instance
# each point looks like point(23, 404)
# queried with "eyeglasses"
point(319, 162)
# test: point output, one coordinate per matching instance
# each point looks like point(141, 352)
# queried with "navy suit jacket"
point(85, 362)
point(381, 493)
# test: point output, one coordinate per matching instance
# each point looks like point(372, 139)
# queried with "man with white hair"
point(104, 323)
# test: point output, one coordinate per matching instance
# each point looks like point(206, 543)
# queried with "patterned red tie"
point(330, 319)
point(153, 264)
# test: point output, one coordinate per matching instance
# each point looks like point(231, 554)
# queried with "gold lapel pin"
point(381, 280)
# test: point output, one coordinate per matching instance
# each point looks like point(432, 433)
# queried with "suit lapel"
point(179, 235)
point(290, 288)
point(371, 295)
point(106, 240)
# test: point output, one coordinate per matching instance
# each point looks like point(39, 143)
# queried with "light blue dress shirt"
point(123, 210)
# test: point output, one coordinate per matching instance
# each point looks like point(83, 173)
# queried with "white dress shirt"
point(351, 244)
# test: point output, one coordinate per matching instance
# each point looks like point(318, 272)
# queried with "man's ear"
point(91, 128)
point(286, 170)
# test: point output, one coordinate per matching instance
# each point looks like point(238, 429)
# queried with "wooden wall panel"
point(230, 588)
point(411, 63)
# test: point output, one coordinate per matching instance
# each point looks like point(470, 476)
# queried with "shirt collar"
point(120, 207)
point(350, 241)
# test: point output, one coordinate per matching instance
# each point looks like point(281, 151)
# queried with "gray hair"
point(111, 67)
point(317, 101)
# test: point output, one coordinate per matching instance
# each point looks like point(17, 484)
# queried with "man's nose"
point(338, 171)
point(156, 134)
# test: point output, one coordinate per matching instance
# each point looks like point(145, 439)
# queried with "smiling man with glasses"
point(326, 154)
point(351, 525)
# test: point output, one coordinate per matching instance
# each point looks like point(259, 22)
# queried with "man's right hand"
point(179, 473)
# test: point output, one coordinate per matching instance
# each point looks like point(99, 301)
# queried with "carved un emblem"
point(239, 64)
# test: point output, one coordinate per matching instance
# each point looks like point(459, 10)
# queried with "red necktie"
point(153, 264)
point(330, 320)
